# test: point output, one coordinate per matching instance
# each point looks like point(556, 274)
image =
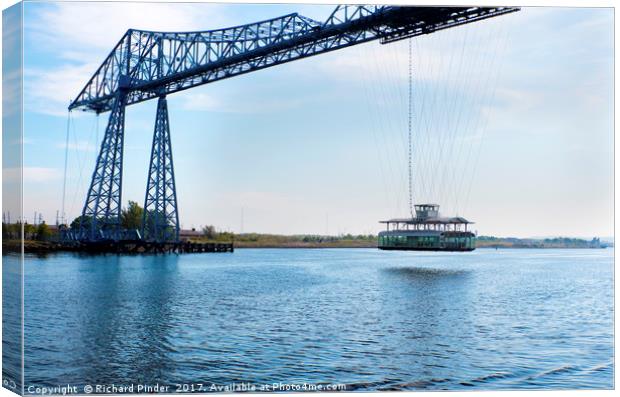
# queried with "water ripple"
point(506, 319)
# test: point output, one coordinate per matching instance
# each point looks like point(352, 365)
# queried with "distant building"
point(186, 234)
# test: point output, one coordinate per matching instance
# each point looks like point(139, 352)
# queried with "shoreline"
point(44, 247)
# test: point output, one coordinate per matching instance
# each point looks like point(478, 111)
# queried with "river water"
point(359, 318)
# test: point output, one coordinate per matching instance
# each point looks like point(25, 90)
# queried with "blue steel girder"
point(102, 209)
point(160, 219)
point(147, 64)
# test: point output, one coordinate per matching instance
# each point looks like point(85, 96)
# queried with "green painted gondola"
point(427, 231)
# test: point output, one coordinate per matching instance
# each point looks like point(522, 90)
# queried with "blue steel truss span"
point(146, 65)
point(149, 64)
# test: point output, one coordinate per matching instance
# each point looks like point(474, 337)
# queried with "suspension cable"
point(409, 116)
point(64, 182)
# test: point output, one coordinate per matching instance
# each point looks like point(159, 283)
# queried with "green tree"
point(157, 225)
point(209, 232)
point(29, 231)
point(43, 232)
point(87, 220)
point(226, 236)
point(15, 230)
point(131, 216)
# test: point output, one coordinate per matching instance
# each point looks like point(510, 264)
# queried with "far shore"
point(293, 242)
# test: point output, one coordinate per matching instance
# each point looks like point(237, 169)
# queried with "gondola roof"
point(432, 221)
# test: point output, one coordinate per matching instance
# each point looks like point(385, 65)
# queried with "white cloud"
point(85, 28)
point(21, 141)
point(200, 101)
point(82, 34)
point(49, 91)
point(31, 174)
point(197, 100)
point(11, 88)
point(551, 85)
point(81, 146)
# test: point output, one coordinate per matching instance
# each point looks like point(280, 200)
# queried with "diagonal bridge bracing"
point(146, 65)
point(160, 219)
point(102, 210)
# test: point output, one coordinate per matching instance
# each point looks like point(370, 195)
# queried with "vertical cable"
point(97, 130)
point(64, 181)
point(409, 116)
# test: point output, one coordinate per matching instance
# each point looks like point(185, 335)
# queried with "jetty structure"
point(427, 231)
point(147, 65)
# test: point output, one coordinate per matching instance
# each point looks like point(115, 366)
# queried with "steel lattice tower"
point(160, 220)
point(102, 209)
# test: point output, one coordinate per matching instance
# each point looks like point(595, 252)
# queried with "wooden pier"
point(142, 247)
point(189, 247)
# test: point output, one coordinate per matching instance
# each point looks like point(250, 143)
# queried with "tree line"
point(12, 231)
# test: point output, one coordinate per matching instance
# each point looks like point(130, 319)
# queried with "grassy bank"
point(30, 246)
point(255, 240)
point(557, 242)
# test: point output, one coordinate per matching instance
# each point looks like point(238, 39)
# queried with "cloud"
point(200, 101)
point(82, 36)
point(31, 174)
point(11, 92)
point(20, 141)
point(92, 29)
point(49, 91)
point(226, 103)
point(84, 33)
point(81, 146)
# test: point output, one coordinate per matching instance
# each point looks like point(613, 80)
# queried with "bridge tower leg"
point(160, 220)
point(102, 209)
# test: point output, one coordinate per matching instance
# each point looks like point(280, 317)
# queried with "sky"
point(512, 124)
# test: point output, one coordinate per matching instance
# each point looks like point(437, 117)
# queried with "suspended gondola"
point(427, 231)
point(446, 119)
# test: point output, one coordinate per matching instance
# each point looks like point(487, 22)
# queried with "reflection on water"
point(425, 274)
point(11, 322)
point(371, 320)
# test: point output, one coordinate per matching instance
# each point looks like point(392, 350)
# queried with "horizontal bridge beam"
point(146, 65)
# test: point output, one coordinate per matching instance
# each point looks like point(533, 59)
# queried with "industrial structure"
point(146, 65)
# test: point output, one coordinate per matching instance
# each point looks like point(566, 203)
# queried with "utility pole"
point(327, 223)
point(241, 228)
